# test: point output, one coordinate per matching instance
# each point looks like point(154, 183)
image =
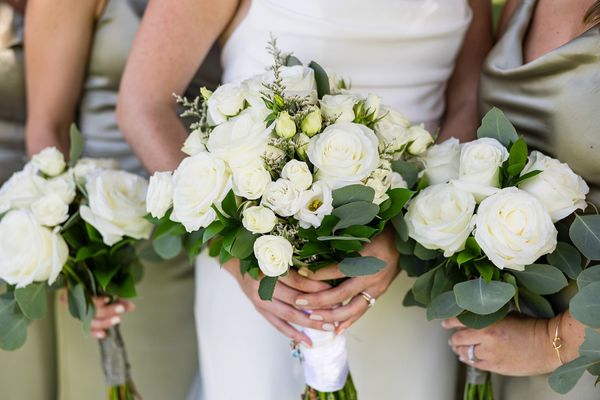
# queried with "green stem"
point(348, 392)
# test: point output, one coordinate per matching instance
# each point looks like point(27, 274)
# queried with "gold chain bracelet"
point(557, 341)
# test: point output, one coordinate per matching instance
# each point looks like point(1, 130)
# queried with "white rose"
point(160, 194)
point(442, 162)
point(259, 219)
point(50, 210)
point(420, 139)
point(441, 217)
point(117, 205)
point(253, 89)
point(336, 83)
point(194, 143)
point(393, 130)
point(514, 229)
point(557, 187)
point(87, 166)
point(312, 123)
point(345, 153)
point(50, 161)
point(480, 162)
point(63, 186)
point(241, 139)
point(297, 172)
point(302, 141)
point(199, 182)
point(273, 155)
point(250, 181)
point(283, 197)
point(315, 204)
point(226, 101)
point(274, 254)
point(285, 127)
point(397, 181)
point(373, 104)
point(299, 81)
point(29, 252)
point(339, 107)
point(21, 190)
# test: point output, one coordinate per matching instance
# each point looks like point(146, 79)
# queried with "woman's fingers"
point(289, 314)
point(465, 337)
point(324, 274)
point(331, 297)
point(104, 323)
point(117, 308)
point(452, 323)
point(295, 280)
point(356, 307)
point(286, 329)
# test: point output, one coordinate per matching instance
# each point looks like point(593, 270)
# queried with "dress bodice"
point(403, 50)
point(553, 100)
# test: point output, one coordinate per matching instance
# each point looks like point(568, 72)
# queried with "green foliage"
point(566, 376)
point(360, 266)
point(76, 145)
point(408, 170)
point(495, 125)
point(542, 278)
point(352, 193)
point(537, 304)
point(356, 213)
point(585, 305)
point(413, 266)
point(425, 254)
point(443, 306)
point(483, 298)
point(33, 300)
point(585, 234)
point(243, 244)
point(398, 197)
point(588, 276)
point(229, 205)
point(291, 61)
point(13, 324)
point(477, 321)
point(400, 227)
point(517, 157)
point(267, 287)
point(567, 259)
point(321, 79)
point(168, 246)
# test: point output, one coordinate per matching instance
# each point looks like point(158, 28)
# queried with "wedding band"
point(471, 354)
point(370, 299)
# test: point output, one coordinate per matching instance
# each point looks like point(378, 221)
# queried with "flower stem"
point(116, 366)
point(348, 392)
point(478, 385)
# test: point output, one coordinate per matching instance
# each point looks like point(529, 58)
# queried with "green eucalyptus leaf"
point(495, 125)
point(542, 278)
point(399, 197)
point(33, 300)
point(536, 303)
point(443, 306)
point(267, 287)
point(585, 305)
point(423, 285)
point(352, 193)
point(483, 298)
point(291, 61)
point(357, 213)
point(342, 238)
point(76, 145)
point(360, 266)
point(313, 248)
point(425, 254)
point(408, 170)
point(413, 266)
point(588, 275)
point(405, 248)
point(477, 321)
point(347, 245)
point(565, 377)
point(13, 324)
point(77, 301)
point(321, 79)
point(400, 227)
point(326, 228)
point(585, 234)
point(410, 301)
point(567, 259)
point(591, 345)
point(359, 232)
point(168, 246)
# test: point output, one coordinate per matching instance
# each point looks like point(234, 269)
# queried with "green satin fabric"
point(554, 102)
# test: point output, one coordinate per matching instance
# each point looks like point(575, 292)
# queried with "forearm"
point(571, 332)
point(461, 120)
point(41, 134)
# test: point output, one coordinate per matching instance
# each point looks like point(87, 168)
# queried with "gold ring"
point(370, 299)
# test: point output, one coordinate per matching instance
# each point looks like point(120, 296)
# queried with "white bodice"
point(403, 50)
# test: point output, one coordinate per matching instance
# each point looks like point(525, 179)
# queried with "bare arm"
point(57, 39)
point(174, 37)
point(462, 115)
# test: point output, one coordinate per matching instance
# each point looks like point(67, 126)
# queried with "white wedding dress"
point(403, 50)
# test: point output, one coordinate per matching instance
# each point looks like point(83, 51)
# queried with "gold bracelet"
point(557, 341)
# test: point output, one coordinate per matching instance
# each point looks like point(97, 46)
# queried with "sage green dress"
point(160, 335)
point(30, 372)
point(554, 101)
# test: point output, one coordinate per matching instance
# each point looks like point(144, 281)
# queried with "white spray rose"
point(393, 130)
point(299, 81)
point(117, 205)
point(274, 254)
point(240, 140)
point(194, 143)
point(339, 107)
point(442, 162)
point(63, 186)
point(345, 153)
point(312, 123)
point(441, 218)
point(380, 182)
point(160, 194)
point(420, 139)
point(29, 252)
point(297, 172)
point(302, 141)
point(285, 127)
point(373, 104)
point(315, 204)
point(21, 190)
point(250, 181)
point(273, 155)
point(514, 229)
point(557, 187)
point(225, 102)
point(283, 197)
point(480, 162)
point(87, 166)
point(50, 161)
point(199, 182)
point(50, 210)
point(259, 219)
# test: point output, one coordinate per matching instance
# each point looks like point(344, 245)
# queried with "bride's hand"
point(328, 304)
point(280, 311)
point(108, 315)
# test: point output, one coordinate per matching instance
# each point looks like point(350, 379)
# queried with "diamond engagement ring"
point(471, 354)
point(370, 299)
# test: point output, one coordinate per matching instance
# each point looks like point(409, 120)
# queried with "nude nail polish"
point(316, 317)
point(120, 309)
point(329, 327)
point(115, 320)
point(301, 302)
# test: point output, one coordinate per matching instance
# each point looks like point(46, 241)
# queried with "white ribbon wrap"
point(326, 363)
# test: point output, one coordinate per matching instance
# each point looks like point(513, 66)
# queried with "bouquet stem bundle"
point(116, 366)
point(348, 392)
point(478, 385)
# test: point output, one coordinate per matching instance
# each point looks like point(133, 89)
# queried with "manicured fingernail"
point(336, 323)
point(120, 309)
point(303, 271)
point(328, 327)
point(106, 300)
point(115, 320)
point(301, 302)
point(316, 317)
point(100, 335)
point(462, 360)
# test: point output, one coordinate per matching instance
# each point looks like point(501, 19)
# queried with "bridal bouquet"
point(74, 227)
point(288, 169)
point(497, 229)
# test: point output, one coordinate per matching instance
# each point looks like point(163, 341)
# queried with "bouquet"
point(74, 227)
point(288, 169)
point(497, 230)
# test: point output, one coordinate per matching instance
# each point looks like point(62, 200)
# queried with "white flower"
point(160, 194)
point(285, 126)
point(194, 143)
point(393, 130)
point(50, 161)
point(87, 166)
point(335, 82)
point(297, 172)
point(241, 139)
point(21, 190)
point(397, 181)
point(345, 153)
point(117, 205)
point(315, 204)
point(302, 141)
point(480, 162)
point(373, 104)
point(283, 197)
point(253, 89)
point(273, 155)
point(274, 254)
point(226, 101)
point(380, 182)
point(199, 182)
point(514, 229)
point(259, 219)
point(420, 139)
point(299, 81)
point(50, 210)
point(29, 252)
point(557, 187)
point(250, 181)
point(63, 186)
point(312, 123)
point(442, 162)
point(441, 217)
point(339, 107)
